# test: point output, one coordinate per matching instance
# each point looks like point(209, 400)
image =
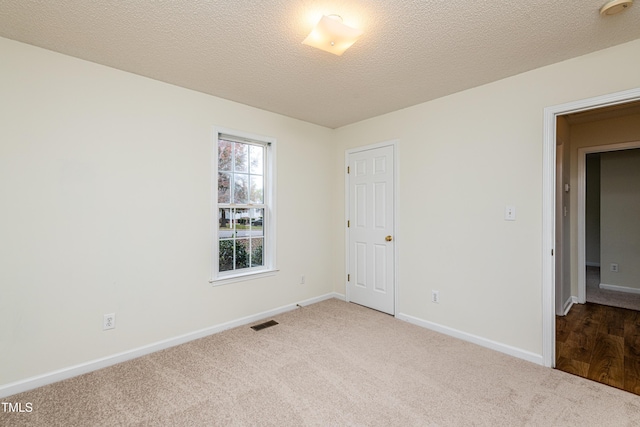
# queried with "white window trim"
point(269, 268)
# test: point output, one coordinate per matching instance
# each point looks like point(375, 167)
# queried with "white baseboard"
point(341, 297)
point(83, 368)
point(592, 264)
point(493, 345)
point(619, 288)
point(568, 304)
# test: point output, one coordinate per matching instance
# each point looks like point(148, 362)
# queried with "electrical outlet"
point(109, 321)
point(302, 280)
point(614, 267)
point(435, 297)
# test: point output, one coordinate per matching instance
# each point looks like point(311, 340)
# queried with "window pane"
point(225, 224)
point(242, 157)
point(243, 222)
point(242, 206)
point(224, 155)
point(225, 255)
point(242, 253)
point(241, 188)
point(256, 252)
point(256, 222)
point(257, 189)
point(223, 187)
point(257, 159)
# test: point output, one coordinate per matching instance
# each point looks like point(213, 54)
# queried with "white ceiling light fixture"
point(332, 36)
point(615, 6)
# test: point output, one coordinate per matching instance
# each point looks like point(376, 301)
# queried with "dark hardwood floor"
point(600, 343)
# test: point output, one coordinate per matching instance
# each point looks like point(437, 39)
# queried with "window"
point(244, 231)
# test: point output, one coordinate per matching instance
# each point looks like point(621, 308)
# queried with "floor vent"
point(264, 325)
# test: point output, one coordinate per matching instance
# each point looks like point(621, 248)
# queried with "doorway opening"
point(549, 208)
point(601, 249)
point(591, 338)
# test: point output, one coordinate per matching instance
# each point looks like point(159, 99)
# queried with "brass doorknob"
point(388, 238)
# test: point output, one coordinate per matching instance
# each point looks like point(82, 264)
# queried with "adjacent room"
point(390, 215)
point(599, 189)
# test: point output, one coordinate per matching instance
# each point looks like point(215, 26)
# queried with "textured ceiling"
point(250, 51)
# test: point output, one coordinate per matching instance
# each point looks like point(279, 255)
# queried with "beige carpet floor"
point(606, 296)
point(327, 364)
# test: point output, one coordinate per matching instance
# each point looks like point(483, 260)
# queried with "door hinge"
point(348, 223)
point(551, 252)
point(348, 169)
point(348, 277)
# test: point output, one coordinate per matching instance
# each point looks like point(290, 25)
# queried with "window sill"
point(225, 280)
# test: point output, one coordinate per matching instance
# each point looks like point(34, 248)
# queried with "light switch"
point(510, 213)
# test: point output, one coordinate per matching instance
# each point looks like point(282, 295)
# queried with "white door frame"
point(582, 190)
point(560, 250)
point(549, 208)
point(396, 150)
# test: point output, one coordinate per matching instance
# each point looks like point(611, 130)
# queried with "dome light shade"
point(332, 36)
point(615, 6)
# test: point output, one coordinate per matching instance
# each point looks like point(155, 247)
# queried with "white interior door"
point(371, 265)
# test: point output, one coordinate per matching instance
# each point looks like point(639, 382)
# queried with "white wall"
point(462, 159)
point(620, 218)
point(106, 203)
